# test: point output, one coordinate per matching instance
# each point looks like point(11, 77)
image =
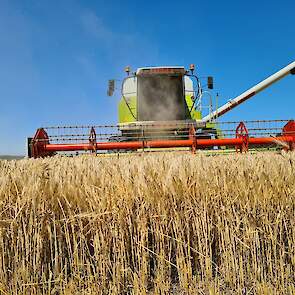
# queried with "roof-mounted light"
point(127, 70)
point(192, 68)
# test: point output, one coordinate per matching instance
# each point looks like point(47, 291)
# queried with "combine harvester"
point(161, 108)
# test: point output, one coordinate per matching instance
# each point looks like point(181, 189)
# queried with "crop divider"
point(242, 133)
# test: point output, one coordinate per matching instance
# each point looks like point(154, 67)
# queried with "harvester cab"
point(155, 97)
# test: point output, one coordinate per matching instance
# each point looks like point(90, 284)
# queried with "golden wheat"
point(150, 224)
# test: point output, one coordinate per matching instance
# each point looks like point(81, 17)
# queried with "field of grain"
point(150, 224)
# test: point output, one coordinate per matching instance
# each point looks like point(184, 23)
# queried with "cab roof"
point(161, 70)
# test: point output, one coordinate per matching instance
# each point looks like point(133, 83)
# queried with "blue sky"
point(56, 56)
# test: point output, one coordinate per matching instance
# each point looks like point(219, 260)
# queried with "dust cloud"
point(161, 98)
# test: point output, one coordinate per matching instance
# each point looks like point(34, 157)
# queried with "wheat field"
point(148, 224)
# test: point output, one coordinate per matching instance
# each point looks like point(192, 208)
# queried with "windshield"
point(161, 98)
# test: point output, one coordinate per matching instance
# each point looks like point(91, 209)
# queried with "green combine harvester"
point(166, 102)
point(163, 108)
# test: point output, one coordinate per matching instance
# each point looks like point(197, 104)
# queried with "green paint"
point(125, 116)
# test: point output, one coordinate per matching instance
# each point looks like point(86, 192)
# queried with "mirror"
point(111, 87)
point(210, 82)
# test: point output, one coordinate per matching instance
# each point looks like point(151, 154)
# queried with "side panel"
point(125, 115)
point(194, 114)
point(127, 107)
point(189, 92)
